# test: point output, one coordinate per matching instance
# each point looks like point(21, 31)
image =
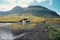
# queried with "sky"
point(6, 5)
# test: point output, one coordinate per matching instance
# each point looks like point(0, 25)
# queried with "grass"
point(17, 18)
point(17, 26)
point(54, 32)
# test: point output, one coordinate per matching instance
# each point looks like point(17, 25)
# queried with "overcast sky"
point(6, 5)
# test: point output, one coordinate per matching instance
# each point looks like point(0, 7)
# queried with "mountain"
point(17, 9)
point(4, 13)
point(39, 11)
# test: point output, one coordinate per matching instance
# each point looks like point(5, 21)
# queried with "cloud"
point(6, 7)
point(12, 1)
point(21, 3)
point(41, 1)
point(50, 2)
point(24, 3)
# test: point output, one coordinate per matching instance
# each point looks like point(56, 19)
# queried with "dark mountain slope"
point(41, 11)
point(17, 9)
point(34, 10)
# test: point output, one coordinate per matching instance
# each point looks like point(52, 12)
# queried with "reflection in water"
point(7, 30)
point(6, 35)
point(5, 24)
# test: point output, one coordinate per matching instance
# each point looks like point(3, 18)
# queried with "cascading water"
point(6, 35)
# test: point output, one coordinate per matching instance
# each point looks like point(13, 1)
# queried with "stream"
point(8, 35)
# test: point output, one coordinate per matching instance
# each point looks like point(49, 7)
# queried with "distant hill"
point(34, 10)
point(17, 9)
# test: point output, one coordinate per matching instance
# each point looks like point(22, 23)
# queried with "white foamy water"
point(6, 35)
point(5, 24)
point(21, 35)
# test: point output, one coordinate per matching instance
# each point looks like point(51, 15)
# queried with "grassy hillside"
point(17, 18)
point(52, 20)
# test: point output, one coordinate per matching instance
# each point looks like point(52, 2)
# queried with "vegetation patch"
point(54, 32)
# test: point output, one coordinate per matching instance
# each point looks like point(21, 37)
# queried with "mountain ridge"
point(39, 11)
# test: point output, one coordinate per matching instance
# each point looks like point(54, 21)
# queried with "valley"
point(31, 23)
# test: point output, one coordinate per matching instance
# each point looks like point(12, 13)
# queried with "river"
point(8, 35)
